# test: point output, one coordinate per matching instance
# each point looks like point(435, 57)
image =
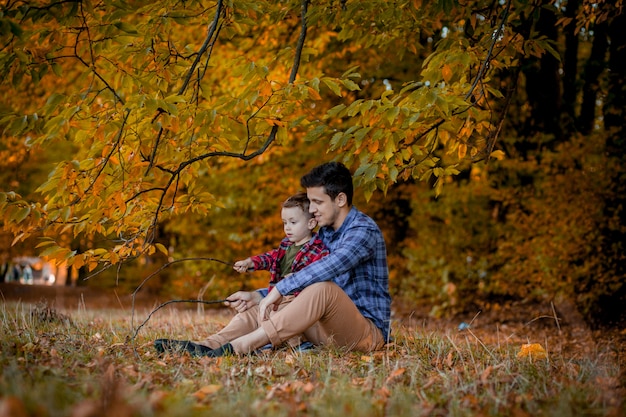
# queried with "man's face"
point(325, 210)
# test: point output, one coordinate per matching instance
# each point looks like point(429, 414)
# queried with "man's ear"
point(341, 200)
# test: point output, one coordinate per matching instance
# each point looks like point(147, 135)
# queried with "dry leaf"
point(206, 391)
point(395, 376)
point(12, 407)
point(308, 387)
point(532, 351)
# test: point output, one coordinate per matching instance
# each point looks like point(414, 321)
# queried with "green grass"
point(86, 363)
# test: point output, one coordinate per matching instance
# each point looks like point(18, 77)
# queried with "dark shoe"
point(224, 350)
point(305, 347)
point(179, 346)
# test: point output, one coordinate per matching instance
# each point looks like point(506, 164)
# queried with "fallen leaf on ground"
point(206, 390)
point(532, 351)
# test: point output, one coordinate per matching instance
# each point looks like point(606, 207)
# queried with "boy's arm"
point(266, 260)
point(263, 261)
point(244, 265)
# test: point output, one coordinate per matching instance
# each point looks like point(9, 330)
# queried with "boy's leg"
point(325, 314)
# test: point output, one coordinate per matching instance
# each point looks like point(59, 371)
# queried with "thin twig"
point(134, 295)
point(556, 318)
point(172, 302)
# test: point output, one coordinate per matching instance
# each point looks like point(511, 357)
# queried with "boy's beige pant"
point(322, 314)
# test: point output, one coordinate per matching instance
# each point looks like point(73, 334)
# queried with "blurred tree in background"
point(486, 138)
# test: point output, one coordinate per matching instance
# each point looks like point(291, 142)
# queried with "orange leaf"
point(532, 351)
point(206, 390)
point(395, 376)
point(446, 72)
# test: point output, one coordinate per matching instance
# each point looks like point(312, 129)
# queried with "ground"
point(556, 326)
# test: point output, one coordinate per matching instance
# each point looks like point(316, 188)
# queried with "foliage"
point(153, 109)
point(513, 230)
point(83, 364)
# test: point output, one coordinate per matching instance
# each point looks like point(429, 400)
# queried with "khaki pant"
point(322, 313)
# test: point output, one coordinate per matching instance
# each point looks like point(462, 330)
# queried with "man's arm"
point(356, 245)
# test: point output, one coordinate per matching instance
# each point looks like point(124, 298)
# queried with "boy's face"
point(297, 224)
point(327, 211)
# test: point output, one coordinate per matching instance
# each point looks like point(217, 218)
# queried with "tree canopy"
point(156, 114)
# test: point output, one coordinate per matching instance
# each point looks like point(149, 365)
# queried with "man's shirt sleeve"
point(356, 245)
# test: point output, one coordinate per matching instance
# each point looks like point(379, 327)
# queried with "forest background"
point(486, 138)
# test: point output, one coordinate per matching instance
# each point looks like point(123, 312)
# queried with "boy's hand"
point(244, 265)
point(269, 303)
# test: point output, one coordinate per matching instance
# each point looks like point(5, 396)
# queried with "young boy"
point(300, 247)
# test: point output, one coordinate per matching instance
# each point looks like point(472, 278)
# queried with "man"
point(343, 298)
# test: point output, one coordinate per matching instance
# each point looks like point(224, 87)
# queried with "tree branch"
point(243, 156)
point(212, 30)
point(494, 39)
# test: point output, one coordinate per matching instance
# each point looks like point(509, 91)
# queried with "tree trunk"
point(615, 104)
point(609, 285)
point(570, 66)
point(593, 68)
point(543, 84)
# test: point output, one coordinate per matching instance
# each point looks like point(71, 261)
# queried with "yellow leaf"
point(162, 248)
point(532, 351)
point(462, 150)
point(21, 214)
point(497, 154)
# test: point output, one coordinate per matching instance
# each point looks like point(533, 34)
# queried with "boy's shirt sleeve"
point(267, 261)
point(264, 261)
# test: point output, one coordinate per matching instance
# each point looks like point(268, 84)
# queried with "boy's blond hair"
point(298, 200)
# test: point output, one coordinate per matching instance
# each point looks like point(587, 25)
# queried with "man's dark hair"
point(334, 177)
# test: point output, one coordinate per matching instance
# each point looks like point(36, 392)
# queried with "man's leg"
point(325, 314)
point(239, 325)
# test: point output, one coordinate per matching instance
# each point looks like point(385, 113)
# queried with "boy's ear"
point(312, 223)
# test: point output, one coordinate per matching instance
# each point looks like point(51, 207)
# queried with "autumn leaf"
point(206, 391)
point(396, 376)
point(446, 73)
point(532, 351)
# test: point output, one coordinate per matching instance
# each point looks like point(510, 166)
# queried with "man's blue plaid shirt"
point(357, 263)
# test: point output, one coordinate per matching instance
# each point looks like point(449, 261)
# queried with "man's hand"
point(269, 303)
point(243, 300)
